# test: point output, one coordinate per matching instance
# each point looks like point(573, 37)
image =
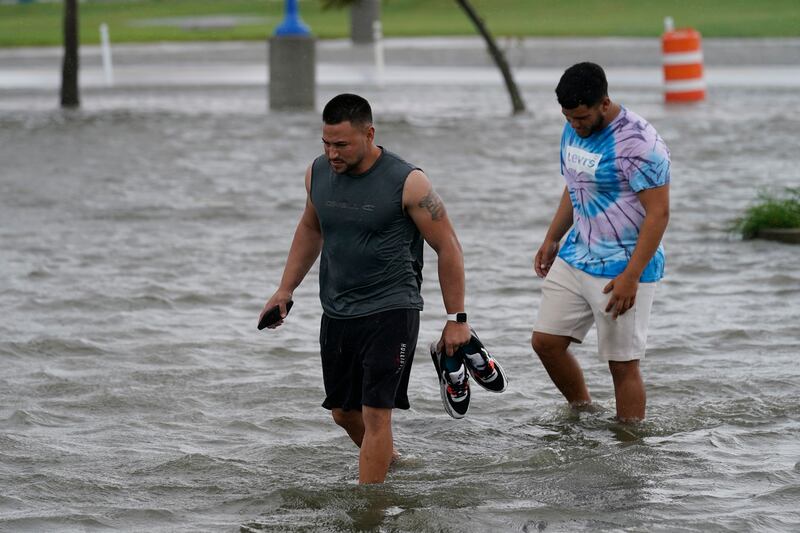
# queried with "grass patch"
point(771, 212)
point(40, 23)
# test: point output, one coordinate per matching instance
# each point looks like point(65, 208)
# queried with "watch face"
point(461, 317)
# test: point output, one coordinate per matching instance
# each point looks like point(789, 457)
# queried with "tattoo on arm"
point(433, 204)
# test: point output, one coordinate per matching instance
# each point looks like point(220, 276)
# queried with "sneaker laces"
point(483, 364)
point(457, 382)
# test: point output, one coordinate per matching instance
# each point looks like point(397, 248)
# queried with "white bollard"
point(105, 47)
point(377, 32)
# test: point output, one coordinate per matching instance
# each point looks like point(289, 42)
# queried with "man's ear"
point(371, 133)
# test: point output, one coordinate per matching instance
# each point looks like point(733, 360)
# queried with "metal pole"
point(377, 33)
point(105, 47)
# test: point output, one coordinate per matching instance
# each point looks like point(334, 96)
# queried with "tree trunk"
point(69, 71)
point(497, 55)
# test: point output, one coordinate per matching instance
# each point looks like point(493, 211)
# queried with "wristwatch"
point(457, 317)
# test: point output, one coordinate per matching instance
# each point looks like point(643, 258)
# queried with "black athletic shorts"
point(367, 360)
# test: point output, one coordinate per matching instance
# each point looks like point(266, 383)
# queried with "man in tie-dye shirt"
point(616, 203)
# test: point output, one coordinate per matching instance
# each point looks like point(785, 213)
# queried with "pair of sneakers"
point(472, 359)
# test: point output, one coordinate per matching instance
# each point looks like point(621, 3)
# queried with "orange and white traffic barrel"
point(683, 64)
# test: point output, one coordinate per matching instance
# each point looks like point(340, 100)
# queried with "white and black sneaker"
point(482, 366)
point(454, 386)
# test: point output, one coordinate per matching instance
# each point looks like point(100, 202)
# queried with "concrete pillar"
point(363, 15)
point(292, 72)
point(292, 62)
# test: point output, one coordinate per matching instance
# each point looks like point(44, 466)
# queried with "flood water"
point(140, 236)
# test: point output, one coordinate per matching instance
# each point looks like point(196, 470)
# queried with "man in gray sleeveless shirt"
point(367, 212)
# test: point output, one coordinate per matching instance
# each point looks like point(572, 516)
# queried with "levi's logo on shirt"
point(581, 161)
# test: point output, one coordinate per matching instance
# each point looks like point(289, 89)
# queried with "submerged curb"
point(787, 235)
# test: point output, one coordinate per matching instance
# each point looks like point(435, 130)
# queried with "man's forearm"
point(562, 220)
point(656, 208)
point(451, 276)
point(305, 249)
point(652, 230)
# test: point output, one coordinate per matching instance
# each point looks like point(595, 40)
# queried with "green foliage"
point(772, 211)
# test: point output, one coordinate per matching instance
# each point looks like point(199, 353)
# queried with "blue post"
point(292, 24)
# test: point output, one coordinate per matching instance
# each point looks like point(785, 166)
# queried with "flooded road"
point(140, 236)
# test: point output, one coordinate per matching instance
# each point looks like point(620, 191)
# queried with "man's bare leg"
point(628, 390)
point(562, 367)
point(353, 423)
point(376, 448)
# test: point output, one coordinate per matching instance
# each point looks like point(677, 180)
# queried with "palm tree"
point(69, 71)
point(497, 54)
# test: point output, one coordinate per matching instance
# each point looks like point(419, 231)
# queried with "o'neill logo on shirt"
point(349, 205)
point(581, 161)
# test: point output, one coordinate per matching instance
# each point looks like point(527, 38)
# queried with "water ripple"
point(138, 395)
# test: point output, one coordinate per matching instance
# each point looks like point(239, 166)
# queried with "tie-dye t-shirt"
point(604, 172)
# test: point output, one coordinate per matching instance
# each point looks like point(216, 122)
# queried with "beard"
point(596, 126)
point(350, 165)
point(340, 166)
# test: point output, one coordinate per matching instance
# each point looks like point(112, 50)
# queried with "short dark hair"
point(347, 108)
point(582, 84)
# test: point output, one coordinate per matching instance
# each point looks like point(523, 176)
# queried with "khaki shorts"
point(573, 300)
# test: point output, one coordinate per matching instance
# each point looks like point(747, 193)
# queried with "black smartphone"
point(274, 315)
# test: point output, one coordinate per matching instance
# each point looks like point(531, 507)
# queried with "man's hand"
point(279, 298)
point(454, 336)
point(623, 294)
point(545, 258)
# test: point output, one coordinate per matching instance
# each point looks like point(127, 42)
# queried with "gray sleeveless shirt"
point(372, 251)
